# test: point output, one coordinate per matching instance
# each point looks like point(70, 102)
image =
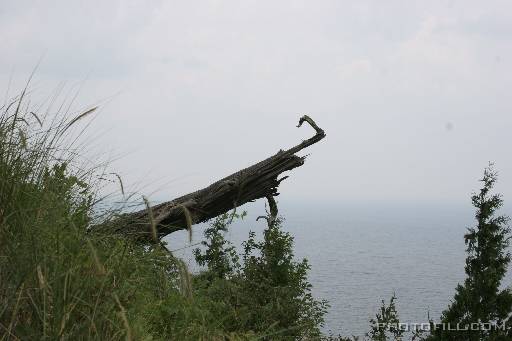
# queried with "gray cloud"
point(210, 87)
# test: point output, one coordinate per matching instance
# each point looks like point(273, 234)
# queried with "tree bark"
point(257, 181)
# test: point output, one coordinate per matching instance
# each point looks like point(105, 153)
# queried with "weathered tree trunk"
point(257, 181)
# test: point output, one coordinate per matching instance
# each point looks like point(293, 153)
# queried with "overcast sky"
point(415, 96)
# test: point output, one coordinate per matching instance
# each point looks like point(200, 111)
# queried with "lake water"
point(361, 254)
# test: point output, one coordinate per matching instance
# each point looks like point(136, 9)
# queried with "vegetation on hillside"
point(60, 281)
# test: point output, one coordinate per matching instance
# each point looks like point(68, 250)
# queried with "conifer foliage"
point(479, 300)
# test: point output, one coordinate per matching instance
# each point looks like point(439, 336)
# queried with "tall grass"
point(57, 281)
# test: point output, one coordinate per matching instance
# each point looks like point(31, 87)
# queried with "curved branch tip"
point(306, 118)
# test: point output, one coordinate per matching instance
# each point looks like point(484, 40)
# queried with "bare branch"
point(255, 182)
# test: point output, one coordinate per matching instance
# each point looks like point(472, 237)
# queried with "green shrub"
point(268, 291)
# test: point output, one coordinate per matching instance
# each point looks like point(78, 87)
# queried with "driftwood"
point(257, 181)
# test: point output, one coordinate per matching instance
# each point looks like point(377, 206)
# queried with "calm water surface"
point(361, 254)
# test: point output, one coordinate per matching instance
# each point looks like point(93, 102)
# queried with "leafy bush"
point(220, 256)
point(268, 291)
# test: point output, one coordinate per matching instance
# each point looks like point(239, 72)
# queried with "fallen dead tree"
point(260, 180)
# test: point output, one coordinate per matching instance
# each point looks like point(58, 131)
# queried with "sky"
point(415, 96)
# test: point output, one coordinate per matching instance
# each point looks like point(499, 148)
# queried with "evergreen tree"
point(479, 300)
